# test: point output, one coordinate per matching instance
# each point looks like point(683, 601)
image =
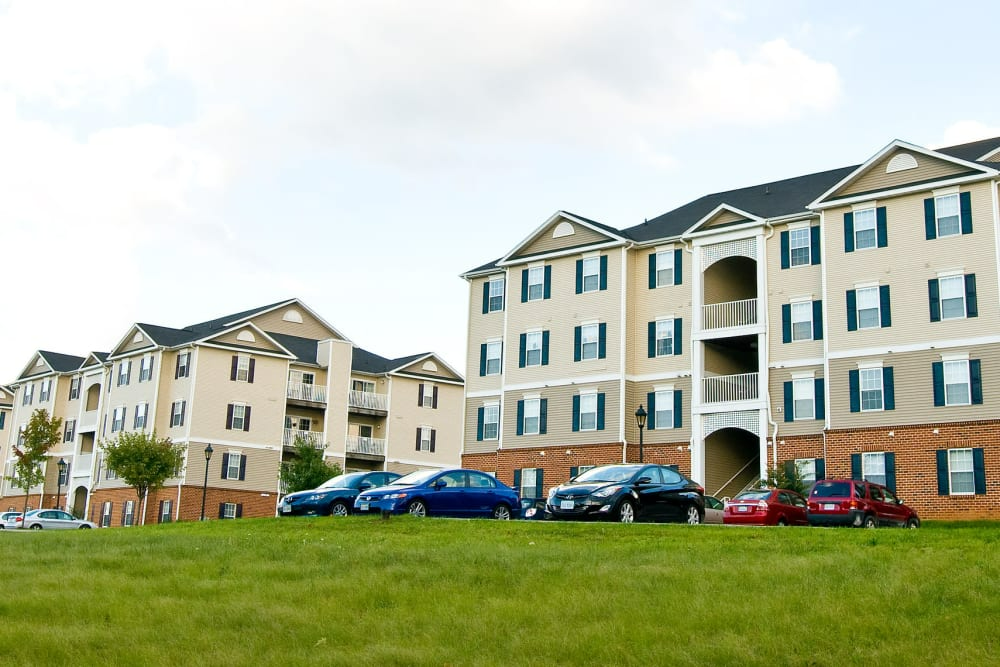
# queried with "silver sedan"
point(54, 520)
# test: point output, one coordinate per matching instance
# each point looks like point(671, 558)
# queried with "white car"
point(54, 520)
point(7, 520)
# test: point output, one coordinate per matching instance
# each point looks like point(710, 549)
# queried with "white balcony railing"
point(81, 465)
point(729, 314)
point(315, 438)
point(88, 421)
point(357, 444)
point(368, 400)
point(306, 392)
point(725, 388)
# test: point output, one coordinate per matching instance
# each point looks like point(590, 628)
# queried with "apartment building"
point(237, 392)
point(843, 323)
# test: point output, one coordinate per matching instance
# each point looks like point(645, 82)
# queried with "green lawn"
point(361, 591)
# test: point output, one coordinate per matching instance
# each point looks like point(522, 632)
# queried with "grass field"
point(361, 591)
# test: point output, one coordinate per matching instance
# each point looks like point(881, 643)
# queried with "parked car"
point(713, 510)
point(53, 520)
point(533, 509)
point(767, 507)
point(335, 496)
point(627, 493)
point(456, 492)
point(849, 502)
point(9, 520)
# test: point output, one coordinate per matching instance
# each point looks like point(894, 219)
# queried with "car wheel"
point(417, 508)
point(692, 516)
point(84, 527)
point(37, 526)
point(501, 512)
point(782, 522)
point(870, 522)
point(626, 512)
point(339, 508)
point(913, 523)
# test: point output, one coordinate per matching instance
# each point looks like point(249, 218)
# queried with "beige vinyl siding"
point(62, 407)
point(875, 178)
point(776, 380)
point(261, 467)
point(319, 374)
point(260, 343)
point(214, 391)
point(914, 390)
point(310, 327)
point(485, 327)
point(636, 393)
point(339, 373)
point(431, 367)
point(906, 264)
point(560, 314)
point(559, 421)
point(783, 285)
point(473, 446)
point(544, 242)
point(172, 390)
point(405, 416)
point(131, 345)
point(724, 218)
point(646, 305)
point(129, 395)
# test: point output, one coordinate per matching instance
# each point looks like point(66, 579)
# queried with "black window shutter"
point(814, 245)
point(243, 467)
point(222, 510)
point(604, 272)
point(486, 297)
point(418, 438)
point(786, 323)
point(854, 382)
point(480, 418)
point(937, 376)
point(520, 418)
point(232, 370)
point(678, 402)
point(433, 439)
point(576, 413)
point(942, 472)
point(819, 385)
point(420, 394)
point(786, 253)
point(600, 411)
point(934, 298)
point(246, 418)
point(885, 307)
point(678, 335)
point(229, 416)
point(651, 340)
point(602, 340)
point(848, 232)
point(434, 398)
point(517, 480)
point(577, 337)
point(183, 410)
point(524, 285)
point(818, 320)
point(239, 510)
point(976, 381)
point(482, 360)
point(678, 266)
point(789, 468)
point(574, 471)
point(159, 513)
point(250, 372)
point(543, 413)
point(979, 470)
point(890, 471)
point(930, 220)
point(789, 402)
point(547, 289)
point(881, 227)
point(856, 466)
point(522, 350)
point(539, 486)
point(225, 465)
point(820, 469)
point(545, 348)
point(852, 310)
point(579, 276)
point(888, 389)
point(965, 207)
point(971, 305)
point(652, 270)
point(177, 367)
point(651, 414)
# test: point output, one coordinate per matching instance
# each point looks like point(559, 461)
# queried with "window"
point(804, 398)
point(873, 467)
point(177, 413)
point(139, 422)
point(957, 390)
point(533, 348)
point(241, 368)
point(128, 513)
point(532, 416)
point(492, 352)
point(868, 308)
point(425, 439)
point(110, 473)
point(952, 297)
point(528, 482)
point(118, 419)
point(589, 341)
point(427, 395)
point(588, 412)
point(591, 274)
point(228, 511)
point(124, 370)
point(146, 369)
point(491, 421)
point(232, 465)
point(238, 417)
point(106, 514)
point(864, 229)
point(183, 365)
point(46, 390)
point(802, 320)
point(961, 475)
point(664, 338)
point(947, 218)
point(664, 263)
point(871, 389)
point(166, 511)
point(70, 430)
point(74, 389)
point(662, 409)
point(363, 385)
point(798, 246)
point(20, 435)
point(29, 394)
point(806, 470)
point(536, 283)
point(494, 290)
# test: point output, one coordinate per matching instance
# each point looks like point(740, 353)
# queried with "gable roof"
point(304, 349)
point(973, 151)
point(167, 336)
point(222, 322)
point(61, 363)
point(364, 361)
point(604, 230)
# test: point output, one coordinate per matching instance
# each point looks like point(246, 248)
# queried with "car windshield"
point(762, 494)
point(832, 490)
point(348, 481)
point(607, 474)
point(415, 478)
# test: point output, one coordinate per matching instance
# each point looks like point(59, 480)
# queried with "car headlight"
point(606, 491)
point(315, 496)
point(552, 491)
point(395, 496)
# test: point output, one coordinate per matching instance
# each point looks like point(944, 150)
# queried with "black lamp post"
point(640, 420)
point(59, 482)
point(204, 488)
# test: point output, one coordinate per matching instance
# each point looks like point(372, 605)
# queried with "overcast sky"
point(172, 162)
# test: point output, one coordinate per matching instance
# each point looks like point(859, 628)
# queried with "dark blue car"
point(335, 496)
point(457, 493)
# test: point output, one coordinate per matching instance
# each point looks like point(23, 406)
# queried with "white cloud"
point(965, 131)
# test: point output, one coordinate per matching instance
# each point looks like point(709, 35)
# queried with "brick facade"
point(254, 503)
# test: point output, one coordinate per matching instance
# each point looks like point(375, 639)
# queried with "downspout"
point(688, 247)
point(767, 388)
point(623, 337)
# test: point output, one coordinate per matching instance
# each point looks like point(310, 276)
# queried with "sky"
point(173, 162)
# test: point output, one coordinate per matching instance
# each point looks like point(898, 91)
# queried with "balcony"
point(368, 402)
point(81, 465)
point(730, 314)
point(357, 444)
point(729, 388)
point(315, 438)
point(88, 422)
point(299, 391)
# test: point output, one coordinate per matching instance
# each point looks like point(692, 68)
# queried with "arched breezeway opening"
point(79, 503)
point(732, 461)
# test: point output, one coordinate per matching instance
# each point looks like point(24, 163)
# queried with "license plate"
point(363, 507)
point(742, 508)
point(829, 506)
point(566, 505)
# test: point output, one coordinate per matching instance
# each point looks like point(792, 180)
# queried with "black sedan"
point(627, 493)
point(335, 496)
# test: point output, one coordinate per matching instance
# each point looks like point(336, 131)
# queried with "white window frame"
point(425, 438)
point(367, 386)
point(494, 301)
point(664, 332)
point(954, 286)
point(233, 468)
point(665, 267)
point(664, 417)
point(307, 378)
point(803, 393)
point(491, 421)
point(184, 367)
point(806, 470)
point(532, 411)
point(802, 327)
point(533, 348)
point(796, 236)
point(141, 412)
point(868, 299)
point(166, 514)
point(69, 433)
point(74, 388)
point(959, 468)
point(873, 467)
point(953, 204)
point(957, 370)
point(865, 221)
point(588, 411)
point(590, 340)
point(146, 368)
point(106, 508)
point(128, 513)
point(229, 510)
point(124, 368)
point(867, 377)
point(529, 481)
point(45, 390)
point(177, 414)
point(239, 416)
point(536, 283)
point(494, 352)
point(591, 281)
point(29, 394)
point(428, 397)
point(242, 367)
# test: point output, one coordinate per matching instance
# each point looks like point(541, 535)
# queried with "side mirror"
point(440, 484)
point(644, 480)
point(364, 486)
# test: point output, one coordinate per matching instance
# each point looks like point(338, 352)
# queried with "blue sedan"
point(457, 493)
point(335, 496)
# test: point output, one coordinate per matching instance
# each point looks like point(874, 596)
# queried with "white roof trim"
point(753, 220)
point(556, 216)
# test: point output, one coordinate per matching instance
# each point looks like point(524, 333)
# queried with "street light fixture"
point(640, 420)
point(62, 473)
point(204, 488)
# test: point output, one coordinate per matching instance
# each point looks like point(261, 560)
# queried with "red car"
point(766, 507)
point(850, 502)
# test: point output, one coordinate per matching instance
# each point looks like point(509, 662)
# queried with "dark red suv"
point(850, 502)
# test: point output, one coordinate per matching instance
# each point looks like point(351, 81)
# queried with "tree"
point(308, 469)
point(785, 478)
point(143, 461)
point(41, 433)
